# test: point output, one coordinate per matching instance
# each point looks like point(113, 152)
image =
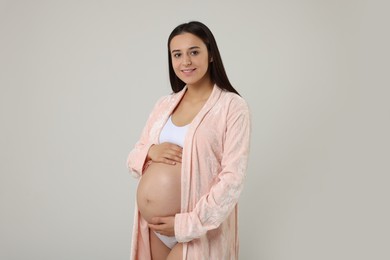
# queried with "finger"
point(154, 221)
point(161, 220)
point(170, 162)
point(157, 228)
point(152, 226)
point(175, 148)
point(173, 152)
point(157, 220)
point(175, 159)
point(165, 159)
point(170, 146)
point(178, 149)
point(174, 156)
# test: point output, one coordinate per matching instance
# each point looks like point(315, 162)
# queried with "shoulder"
point(234, 102)
point(165, 100)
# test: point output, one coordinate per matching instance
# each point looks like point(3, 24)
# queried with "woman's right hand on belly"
point(168, 153)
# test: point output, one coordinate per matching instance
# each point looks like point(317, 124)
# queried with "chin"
point(191, 81)
point(188, 82)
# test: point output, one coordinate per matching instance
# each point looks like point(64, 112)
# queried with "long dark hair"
point(217, 70)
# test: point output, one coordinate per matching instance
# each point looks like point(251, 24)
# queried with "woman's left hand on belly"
point(163, 225)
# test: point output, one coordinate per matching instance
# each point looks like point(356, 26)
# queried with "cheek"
point(175, 65)
point(205, 63)
point(176, 68)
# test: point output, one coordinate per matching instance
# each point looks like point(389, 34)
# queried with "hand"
point(163, 225)
point(165, 153)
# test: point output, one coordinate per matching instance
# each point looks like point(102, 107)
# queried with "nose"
point(187, 60)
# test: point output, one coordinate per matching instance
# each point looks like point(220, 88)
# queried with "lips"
point(188, 71)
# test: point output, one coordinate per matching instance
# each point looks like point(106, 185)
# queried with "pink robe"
point(214, 162)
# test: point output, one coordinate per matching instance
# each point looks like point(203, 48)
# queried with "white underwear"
point(168, 241)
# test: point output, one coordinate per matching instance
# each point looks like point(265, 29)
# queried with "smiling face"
point(190, 59)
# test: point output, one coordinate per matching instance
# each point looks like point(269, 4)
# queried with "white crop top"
point(172, 133)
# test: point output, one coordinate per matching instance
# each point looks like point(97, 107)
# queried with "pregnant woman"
point(191, 158)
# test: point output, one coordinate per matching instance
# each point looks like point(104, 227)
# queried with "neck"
point(200, 91)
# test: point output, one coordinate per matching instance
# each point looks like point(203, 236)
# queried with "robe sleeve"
point(216, 205)
point(136, 160)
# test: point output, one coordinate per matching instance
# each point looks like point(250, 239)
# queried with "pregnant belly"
point(158, 193)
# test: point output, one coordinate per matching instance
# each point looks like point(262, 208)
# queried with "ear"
point(211, 59)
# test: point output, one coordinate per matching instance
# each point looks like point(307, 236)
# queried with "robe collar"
point(211, 101)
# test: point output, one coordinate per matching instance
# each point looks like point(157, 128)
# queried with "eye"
point(194, 53)
point(176, 55)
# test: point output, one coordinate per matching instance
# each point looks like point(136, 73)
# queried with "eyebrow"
point(191, 48)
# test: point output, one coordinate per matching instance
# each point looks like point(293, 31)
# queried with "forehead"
point(185, 41)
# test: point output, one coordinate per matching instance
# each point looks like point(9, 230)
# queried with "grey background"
point(78, 79)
